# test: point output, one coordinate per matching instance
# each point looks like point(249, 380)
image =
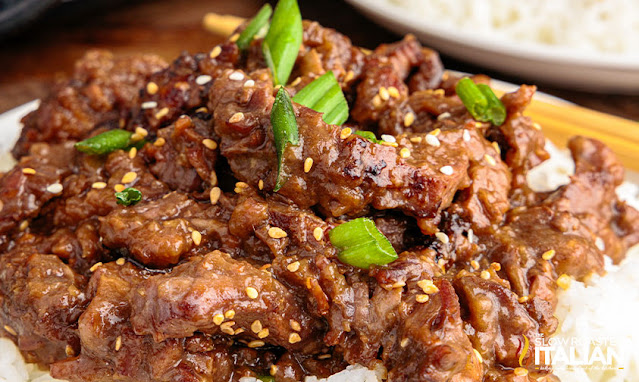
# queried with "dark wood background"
point(31, 59)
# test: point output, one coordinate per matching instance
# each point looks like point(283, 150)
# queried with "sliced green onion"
point(325, 96)
point(284, 129)
point(481, 102)
point(283, 40)
point(128, 196)
point(254, 27)
point(495, 111)
point(266, 378)
point(106, 142)
point(368, 135)
point(360, 244)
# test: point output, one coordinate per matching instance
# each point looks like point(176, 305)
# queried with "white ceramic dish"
point(536, 62)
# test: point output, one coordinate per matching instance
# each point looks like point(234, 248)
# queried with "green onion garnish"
point(495, 111)
point(325, 96)
point(106, 142)
point(282, 42)
point(360, 244)
point(254, 27)
point(266, 378)
point(368, 135)
point(284, 129)
point(128, 196)
point(481, 102)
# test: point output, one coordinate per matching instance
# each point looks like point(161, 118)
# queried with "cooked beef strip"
point(101, 91)
point(149, 311)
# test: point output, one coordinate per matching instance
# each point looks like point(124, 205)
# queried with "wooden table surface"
point(32, 59)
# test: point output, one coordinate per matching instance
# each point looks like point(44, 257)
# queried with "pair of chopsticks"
point(559, 121)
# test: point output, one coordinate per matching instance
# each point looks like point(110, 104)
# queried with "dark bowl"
point(15, 14)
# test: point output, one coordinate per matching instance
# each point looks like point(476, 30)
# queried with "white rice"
point(610, 26)
point(607, 307)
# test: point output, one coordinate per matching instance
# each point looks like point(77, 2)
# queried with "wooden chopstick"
point(559, 121)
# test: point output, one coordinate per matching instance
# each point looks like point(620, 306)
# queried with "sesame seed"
point(215, 52)
point(237, 117)
point(55, 188)
point(28, 171)
point(439, 92)
point(496, 266)
point(471, 235)
point(491, 161)
point(141, 131)
point(521, 372)
point(159, 142)
point(197, 237)
point(213, 178)
point(215, 194)
point(273, 369)
point(393, 92)
point(98, 185)
point(416, 139)
point(152, 88)
point(256, 326)
point(432, 140)
point(308, 164)
point(388, 138)
point(296, 81)
point(496, 147)
point(133, 152)
point(377, 101)
point(404, 152)
point(548, 254)
point(446, 170)
point(251, 293)
point(479, 125)
point(162, 113)
point(202, 110)
point(95, 267)
point(120, 261)
point(263, 333)
point(389, 144)
point(24, 225)
point(409, 118)
point(422, 298)
point(383, 93)
point(427, 286)
point(129, 177)
point(149, 105)
point(236, 76)
point(256, 344)
point(227, 328)
point(69, 351)
point(295, 325)
point(474, 264)
point(276, 233)
point(564, 281)
point(599, 243)
point(442, 237)
point(234, 37)
point(203, 79)
point(229, 314)
point(349, 76)
point(523, 299)
point(260, 184)
point(478, 355)
point(435, 132)
point(324, 356)
point(485, 275)
point(218, 319)
point(294, 266)
point(404, 342)
point(294, 338)
point(10, 330)
point(398, 284)
point(249, 84)
point(135, 137)
point(345, 133)
point(536, 126)
point(240, 187)
point(443, 116)
point(466, 136)
point(118, 343)
point(318, 233)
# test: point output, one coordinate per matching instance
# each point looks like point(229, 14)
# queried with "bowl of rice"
point(580, 44)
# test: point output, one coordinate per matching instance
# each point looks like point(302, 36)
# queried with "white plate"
point(553, 65)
